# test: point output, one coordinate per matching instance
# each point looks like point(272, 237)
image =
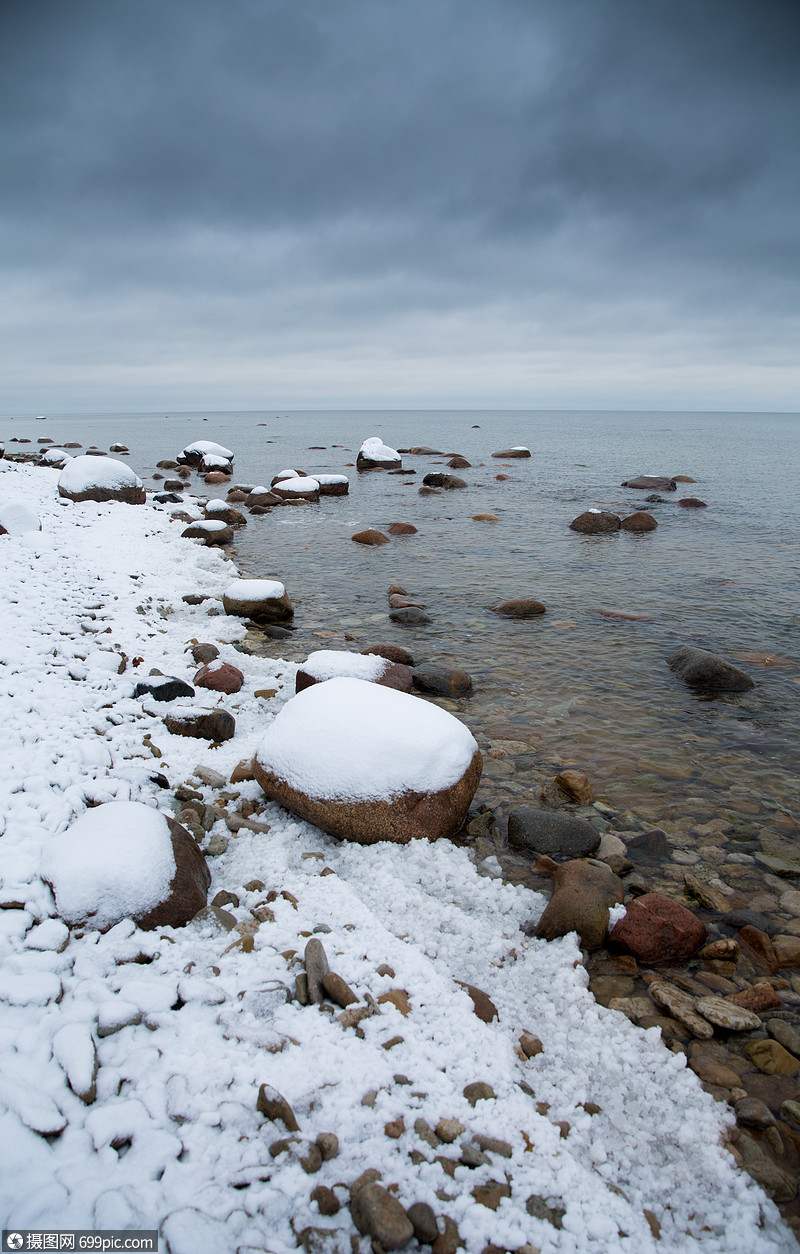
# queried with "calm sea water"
point(579, 688)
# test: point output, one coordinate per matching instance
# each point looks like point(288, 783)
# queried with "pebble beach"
point(522, 1093)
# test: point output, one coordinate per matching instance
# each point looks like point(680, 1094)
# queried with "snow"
point(331, 663)
point(254, 589)
point(17, 518)
point(53, 455)
point(375, 448)
point(213, 507)
point(82, 473)
point(326, 480)
point(212, 525)
point(173, 1139)
point(354, 741)
point(115, 861)
point(298, 484)
point(208, 447)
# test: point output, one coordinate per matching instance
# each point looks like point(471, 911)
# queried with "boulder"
point(333, 485)
point(394, 653)
point(17, 518)
point(95, 479)
point(401, 529)
point(370, 536)
point(595, 522)
point(219, 677)
point(327, 664)
point(214, 725)
point(261, 600)
point(523, 608)
point(658, 930)
point(222, 511)
point(442, 681)
point(367, 763)
point(692, 502)
point(653, 483)
point(174, 485)
point(457, 462)
point(126, 860)
point(216, 476)
point(209, 531)
point(262, 498)
point(583, 893)
point(409, 616)
point(518, 450)
point(298, 488)
point(163, 688)
point(448, 482)
point(195, 454)
point(640, 521)
point(560, 836)
point(375, 455)
point(708, 671)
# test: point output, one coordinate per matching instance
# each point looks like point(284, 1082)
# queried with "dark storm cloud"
point(590, 172)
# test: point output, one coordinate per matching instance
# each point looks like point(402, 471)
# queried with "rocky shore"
point(527, 1111)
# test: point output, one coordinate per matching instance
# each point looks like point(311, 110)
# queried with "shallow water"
point(578, 688)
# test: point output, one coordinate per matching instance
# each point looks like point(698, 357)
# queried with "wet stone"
point(557, 835)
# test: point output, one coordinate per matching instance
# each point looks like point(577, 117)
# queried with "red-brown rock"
point(219, 677)
point(657, 930)
point(394, 653)
point(640, 521)
point(401, 529)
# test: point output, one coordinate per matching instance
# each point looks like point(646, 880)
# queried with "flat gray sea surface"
point(577, 687)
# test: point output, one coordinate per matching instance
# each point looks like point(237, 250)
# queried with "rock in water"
point(367, 763)
point(261, 600)
point(442, 681)
point(558, 835)
point(583, 893)
point(657, 929)
point(375, 455)
point(523, 608)
point(640, 521)
point(126, 860)
point(657, 483)
point(708, 671)
point(595, 522)
point(518, 450)
point(325, 664)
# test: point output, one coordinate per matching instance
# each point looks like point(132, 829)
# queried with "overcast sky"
point(399, 203)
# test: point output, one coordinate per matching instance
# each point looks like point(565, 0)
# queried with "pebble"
point(682, 1007)
point(771, 1057)
point(423, 1221)
point(478, 1091)
point(273, 1105)
point(326, 1199)
point(337, 989)
point(449, 1130)
point(316, 964)
point(724, 1014)
point(378, 1214)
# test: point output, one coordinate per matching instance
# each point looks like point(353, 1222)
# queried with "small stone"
point(395, 1128)
point(216, 846)
point(370, 1098)
point(786, 950)
point(338, 989)
point(274, 1106)
point(378, 1214)
point(491, 1193)
point(328, 1143)
point(682, 1007)
point(758, 947)
point(426, 1133)
point(530, 1045)
point(353, 1016)
point(449, 1130)
point(392, 1042)
point(473, 1157)
point(771, 1057)
point(724, 1015)
point(537, 1207)
point(785, 1035)
point(423, 1221)
point(759, 997)
point(493, 1145)
point(242, 772)
point(790, 1111)
point(326, 1199)
point(707, 896)
point(371, 536)
point(449, 1241)
point(385, 969)
point(398, 998)
point(576, 785)
point(224, 898)
point(720, 949)
point(482, 1004)
point(779, 1184)
point(711, 1072)
point(203, 653)
point(316, 964)
point(478, 1091)
point(756, 1114)
point(522, 608)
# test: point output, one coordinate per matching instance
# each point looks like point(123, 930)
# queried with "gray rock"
point(316, 963)
point(437, 480)
point(649, 848)
point(409, 615)
point(785, 1035)
point(214, 917)
point(708, 671)
point(273, 1105)
point(442, 681)
point(558, 835)
point(658, 483)
point(213, 725)
point(163, 688)
point(423, 1221)
point(377, 1214)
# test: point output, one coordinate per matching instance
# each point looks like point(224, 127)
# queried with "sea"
point(573, 687)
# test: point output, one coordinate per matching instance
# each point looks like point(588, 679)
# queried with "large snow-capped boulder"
point(100, 479)
point(375, 455)
point(333, 485)
point(367, 763)
point(261, 600)
point(296, 488)
point(325, 664)
point(16, 518)
point(125, 860)
point(204, 451)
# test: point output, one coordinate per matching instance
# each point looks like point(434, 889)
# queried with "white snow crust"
point(17, 517)
point(375, 448)
point(82, 473)
point(177, 1088)
point(331, 663)
point(255, 589)
point(298, 483)
point(114, 862)
point(354, 741)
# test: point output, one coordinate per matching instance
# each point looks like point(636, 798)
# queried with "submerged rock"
point(594, 522)
point(442, 681)
point(583, 893)
point(701, 669)
point(523, 608)
point(640, 521)
point(518, 450)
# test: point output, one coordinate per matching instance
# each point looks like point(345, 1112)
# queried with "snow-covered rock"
point(194, 454)
point(297, 488)
point(367, 763)
point(125, 860)
point(333, 485)
point(327, 664)
point(16, 518)
point(375, 455)
point(100, 479)
point(262, 600)
point(210, 531)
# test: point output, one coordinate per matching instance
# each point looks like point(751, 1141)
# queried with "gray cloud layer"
point(512, 202)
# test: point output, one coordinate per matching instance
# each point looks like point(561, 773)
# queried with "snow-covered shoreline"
point(176, 1091)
